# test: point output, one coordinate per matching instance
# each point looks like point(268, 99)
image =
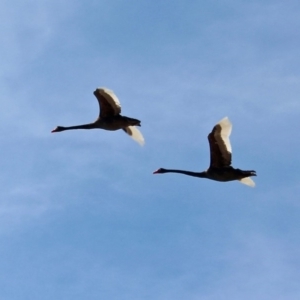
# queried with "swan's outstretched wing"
point(248, 181)
point(135, 134)
point(220, 148)
point(108, 102)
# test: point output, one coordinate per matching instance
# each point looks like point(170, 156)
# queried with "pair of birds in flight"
point(220, 168)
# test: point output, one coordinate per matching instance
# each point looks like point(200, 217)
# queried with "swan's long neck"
point(189, 173)
point(83, 126)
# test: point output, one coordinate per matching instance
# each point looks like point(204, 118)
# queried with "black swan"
point(109, 117)
point(220, 168)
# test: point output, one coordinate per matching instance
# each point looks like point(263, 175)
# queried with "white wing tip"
point(248, 181)
point(135, 134)
point(224, 121)
point(104, 90)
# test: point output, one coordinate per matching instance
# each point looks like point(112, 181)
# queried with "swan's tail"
point(248, 173)
point(135, 134)
point(248, 181)
point(132, 121)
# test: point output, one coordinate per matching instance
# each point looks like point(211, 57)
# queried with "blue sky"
point(82, 216)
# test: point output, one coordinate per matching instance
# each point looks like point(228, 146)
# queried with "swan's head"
point(160, 171)
point(58, 129)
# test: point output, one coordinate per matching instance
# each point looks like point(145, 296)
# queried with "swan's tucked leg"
point(248, 181)
point(135, 134)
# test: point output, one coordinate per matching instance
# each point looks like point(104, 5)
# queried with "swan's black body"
point(218, 174)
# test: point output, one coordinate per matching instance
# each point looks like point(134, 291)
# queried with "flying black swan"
point(109, 117)
point(220, 168)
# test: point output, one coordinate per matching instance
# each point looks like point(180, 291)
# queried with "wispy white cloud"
point(261, 268)
point(28, 28)
point(22, 205)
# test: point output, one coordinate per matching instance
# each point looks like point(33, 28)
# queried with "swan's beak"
point(155, 172)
